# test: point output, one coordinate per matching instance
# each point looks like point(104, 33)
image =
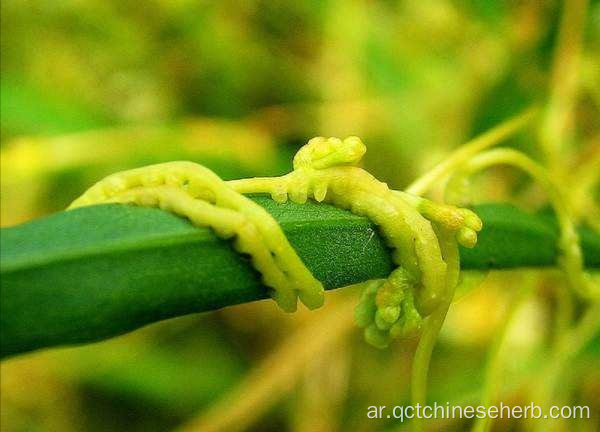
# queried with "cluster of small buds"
point(386, 309)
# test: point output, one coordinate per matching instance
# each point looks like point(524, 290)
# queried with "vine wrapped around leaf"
point(421, 233)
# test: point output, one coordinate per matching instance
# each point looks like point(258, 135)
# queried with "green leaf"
point(95, 272)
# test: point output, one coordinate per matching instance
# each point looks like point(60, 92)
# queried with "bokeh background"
point(89, 87)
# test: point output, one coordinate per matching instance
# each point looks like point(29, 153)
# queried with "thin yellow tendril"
point(492, 137)
point(571, 260)
point(433, 325)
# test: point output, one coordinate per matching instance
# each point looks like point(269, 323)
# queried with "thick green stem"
point(96, 272)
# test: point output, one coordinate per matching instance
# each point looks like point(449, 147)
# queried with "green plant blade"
point(96, 272)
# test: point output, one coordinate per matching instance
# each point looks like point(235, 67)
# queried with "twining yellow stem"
point(325, 170)
point(433, 324)
point(499, 133)
point(571, 256)
point(195, 192)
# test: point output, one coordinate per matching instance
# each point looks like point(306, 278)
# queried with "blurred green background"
point(89, 87)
